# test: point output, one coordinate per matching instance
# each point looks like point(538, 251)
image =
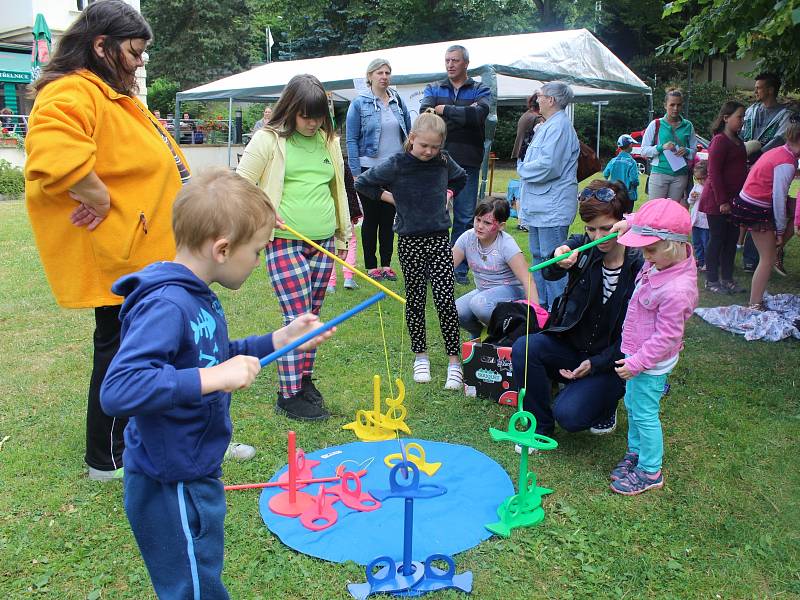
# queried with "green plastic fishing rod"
point(560, 257)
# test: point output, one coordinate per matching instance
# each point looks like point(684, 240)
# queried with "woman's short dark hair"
point(116, 20)
point(730, 107)
point(498, 207)
point(533, 102)
point(304, 96)
point(592, 208)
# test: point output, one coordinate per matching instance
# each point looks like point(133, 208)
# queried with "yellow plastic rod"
point(364, 276)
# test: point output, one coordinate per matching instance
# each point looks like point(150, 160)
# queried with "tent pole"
point(176, 121)
point(489, 79)
point(230, 128)
point(650, 107)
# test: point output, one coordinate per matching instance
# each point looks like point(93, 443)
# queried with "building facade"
point(16, 44)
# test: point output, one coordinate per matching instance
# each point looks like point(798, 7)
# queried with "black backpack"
point(507, 323)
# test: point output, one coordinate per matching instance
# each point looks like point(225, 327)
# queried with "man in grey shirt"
point(764, 128)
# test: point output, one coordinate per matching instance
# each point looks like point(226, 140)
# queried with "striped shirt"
point(610, 280)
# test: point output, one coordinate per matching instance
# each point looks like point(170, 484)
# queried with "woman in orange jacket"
point(102, 174)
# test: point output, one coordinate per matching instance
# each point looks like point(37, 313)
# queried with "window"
point(84, 3)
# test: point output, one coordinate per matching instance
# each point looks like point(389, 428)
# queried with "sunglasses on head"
point(602, 194)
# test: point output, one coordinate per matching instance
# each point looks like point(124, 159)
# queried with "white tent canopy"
point(512, 65)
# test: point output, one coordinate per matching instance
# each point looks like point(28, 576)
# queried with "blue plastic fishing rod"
point(332, 323)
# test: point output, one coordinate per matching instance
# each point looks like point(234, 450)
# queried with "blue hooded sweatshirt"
point(172, 325)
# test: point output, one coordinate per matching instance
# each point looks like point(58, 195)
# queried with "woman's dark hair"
point(592, 208)
point(304, 96)
point(730, 107)
point(497, 206)
point(533, 102)
point(114, 19)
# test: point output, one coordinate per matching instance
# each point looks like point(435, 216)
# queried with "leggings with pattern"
point(429, 258)
point(299, 275)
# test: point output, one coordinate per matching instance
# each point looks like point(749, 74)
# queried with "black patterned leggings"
point(423, 259)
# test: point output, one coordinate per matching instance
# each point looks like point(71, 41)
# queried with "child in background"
point(699, 220)
point(417, 183)
point(623, 168)
point(495, 259)
point(352, 245)
point(174, 374)
point(652, 335)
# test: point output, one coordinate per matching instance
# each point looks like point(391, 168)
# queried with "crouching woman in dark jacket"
point(582, 342)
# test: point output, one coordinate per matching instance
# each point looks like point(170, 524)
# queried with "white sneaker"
point(455, 378)
point(239, 451)
point(331, 289)
point(422, 370)
point(350, 284)
point(518, 449)
point(98, 475)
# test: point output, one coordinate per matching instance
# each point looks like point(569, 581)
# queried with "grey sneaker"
point(731, 286)
point(625, 466)
point(715, 287)
point(237, 451)
point(104, 476)
point(350, 284)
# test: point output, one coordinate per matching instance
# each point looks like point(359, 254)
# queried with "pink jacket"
point(657, 313)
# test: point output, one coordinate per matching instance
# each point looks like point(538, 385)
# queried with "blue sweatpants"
point(643, 400)
point(179, 530)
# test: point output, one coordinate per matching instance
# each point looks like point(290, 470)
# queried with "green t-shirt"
point(307, 205)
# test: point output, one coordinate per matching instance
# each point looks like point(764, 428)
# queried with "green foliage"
point(161, 95)
point(765, 29)
point(12, 180)
point(197, 41)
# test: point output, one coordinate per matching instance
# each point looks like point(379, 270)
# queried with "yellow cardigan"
point(264, 162)
point(79, 124)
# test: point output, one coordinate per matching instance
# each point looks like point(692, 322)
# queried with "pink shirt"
point(657, 312)
point(768, 182)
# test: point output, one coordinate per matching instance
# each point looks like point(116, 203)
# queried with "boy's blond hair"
point(219, 203)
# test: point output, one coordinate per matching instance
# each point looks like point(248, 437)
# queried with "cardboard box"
point(487, 372)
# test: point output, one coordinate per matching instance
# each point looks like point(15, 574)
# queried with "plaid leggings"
point(299, 275)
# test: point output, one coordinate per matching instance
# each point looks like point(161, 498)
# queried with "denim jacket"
point(657, 314)
point(363, 125)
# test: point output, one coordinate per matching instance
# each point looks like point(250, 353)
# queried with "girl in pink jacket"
point(652, 335)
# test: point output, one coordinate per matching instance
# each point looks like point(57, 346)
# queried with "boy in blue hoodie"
point(623, 167)
point(174, 374)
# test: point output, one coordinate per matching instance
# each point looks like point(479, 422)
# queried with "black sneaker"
point(748, 268)
point(301, 408)
point(606, 426)
point(310, 390)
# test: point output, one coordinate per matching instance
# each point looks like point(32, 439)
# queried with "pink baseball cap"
point(659, 219)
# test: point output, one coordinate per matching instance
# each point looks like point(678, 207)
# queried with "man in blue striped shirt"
point(464, 104)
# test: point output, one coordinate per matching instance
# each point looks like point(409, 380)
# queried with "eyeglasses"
point(602, 194)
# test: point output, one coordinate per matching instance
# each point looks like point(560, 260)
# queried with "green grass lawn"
point(724, 526)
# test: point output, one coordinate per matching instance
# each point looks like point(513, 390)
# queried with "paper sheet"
point(675, 162)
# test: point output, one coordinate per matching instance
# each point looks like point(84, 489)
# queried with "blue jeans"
point(179, 530)
point(542, 241)
point(475, 308)
point(464, 212)
point(699, 243)
point(581, 404)
point(643, 400)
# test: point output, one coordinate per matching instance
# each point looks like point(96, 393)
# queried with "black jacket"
point(586, 282)
point(419, 188)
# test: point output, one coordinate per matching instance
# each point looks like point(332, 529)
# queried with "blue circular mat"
point(476, 486)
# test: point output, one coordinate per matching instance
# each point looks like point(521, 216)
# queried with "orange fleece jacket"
point(79, 124)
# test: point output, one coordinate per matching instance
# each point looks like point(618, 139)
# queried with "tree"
point(161, 95)
point(197, 41)
point(764, 29)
